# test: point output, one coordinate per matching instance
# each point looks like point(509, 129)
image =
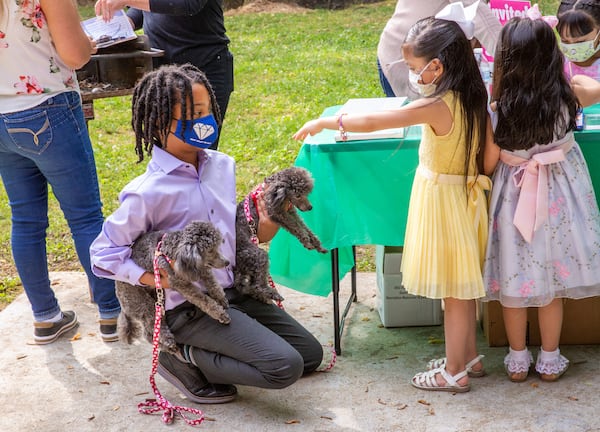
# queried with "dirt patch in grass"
point(266, 6)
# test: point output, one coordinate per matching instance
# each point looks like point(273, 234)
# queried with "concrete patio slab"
point(86, 385)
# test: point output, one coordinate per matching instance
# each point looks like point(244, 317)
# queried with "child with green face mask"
point(579, 30)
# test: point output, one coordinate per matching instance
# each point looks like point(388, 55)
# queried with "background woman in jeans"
point(44, 141)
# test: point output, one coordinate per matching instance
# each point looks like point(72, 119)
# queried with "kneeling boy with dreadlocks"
point(175, 119)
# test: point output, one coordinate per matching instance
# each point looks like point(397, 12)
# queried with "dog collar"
point(254, 197)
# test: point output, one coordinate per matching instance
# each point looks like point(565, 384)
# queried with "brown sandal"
point(517, 369)
point(553, 370)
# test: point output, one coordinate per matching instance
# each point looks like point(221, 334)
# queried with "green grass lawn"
point(288, 69)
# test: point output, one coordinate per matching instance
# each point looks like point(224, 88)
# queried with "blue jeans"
point(385, 84)
point(49, 145)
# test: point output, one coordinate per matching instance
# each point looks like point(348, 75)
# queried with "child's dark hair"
point(432, 38)
point(578, 18)
point(535, 103)
point(153, 99)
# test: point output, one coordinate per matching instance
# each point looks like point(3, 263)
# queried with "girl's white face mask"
point(423, 89)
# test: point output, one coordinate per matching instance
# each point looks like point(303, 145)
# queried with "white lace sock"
point(551, 362)
point(518, 361)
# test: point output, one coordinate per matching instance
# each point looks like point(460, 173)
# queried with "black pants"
point(219, 72)
point(263, 346)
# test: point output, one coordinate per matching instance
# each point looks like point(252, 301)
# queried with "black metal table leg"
point(335, 288)
point(338, 324)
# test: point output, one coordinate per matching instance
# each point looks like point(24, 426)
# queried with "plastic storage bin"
point(396, 307)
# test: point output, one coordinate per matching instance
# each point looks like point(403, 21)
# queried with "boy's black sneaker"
point(47, 332)
point(190, 381)
point(108, 330)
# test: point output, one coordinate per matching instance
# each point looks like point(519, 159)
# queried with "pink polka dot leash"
point(151, 406)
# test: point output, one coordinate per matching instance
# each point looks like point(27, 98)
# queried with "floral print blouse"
point(32, 70)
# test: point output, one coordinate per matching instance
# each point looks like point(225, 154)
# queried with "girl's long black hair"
point(433, 38)
point(154, 97)
point(535, 103)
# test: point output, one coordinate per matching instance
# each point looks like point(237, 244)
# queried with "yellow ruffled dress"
point(447, 225)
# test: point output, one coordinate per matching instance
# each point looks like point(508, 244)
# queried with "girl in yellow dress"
point(446, 230)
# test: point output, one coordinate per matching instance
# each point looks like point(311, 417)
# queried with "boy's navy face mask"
point(201, 132)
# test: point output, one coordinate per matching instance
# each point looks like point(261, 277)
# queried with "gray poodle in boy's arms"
point(188, 256)
point(284, 192)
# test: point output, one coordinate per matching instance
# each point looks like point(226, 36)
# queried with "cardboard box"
point(396, 307)
point(581, 321)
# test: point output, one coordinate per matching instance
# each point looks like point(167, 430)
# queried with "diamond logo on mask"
point(200, 132)
point(203, 130)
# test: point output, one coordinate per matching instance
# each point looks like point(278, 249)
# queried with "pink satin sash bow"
point(532, 178)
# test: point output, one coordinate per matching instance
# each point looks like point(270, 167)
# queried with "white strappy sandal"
point(427, 381)
point(441, 363)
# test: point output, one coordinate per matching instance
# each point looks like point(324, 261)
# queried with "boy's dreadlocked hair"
point(153, 99)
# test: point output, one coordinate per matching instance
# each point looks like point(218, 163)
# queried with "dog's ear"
point(189, 260)
point(189, 250)
point(277, 194)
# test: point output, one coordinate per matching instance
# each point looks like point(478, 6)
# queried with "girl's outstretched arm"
point(423, 111)
point(491, 153)
point(586, 89)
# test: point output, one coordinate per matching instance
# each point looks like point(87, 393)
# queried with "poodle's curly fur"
point(194, 252)
point(284, 192)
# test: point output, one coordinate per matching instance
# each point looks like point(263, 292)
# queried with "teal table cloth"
point(361, 195)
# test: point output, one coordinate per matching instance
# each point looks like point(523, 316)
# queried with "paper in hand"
point(105, 34)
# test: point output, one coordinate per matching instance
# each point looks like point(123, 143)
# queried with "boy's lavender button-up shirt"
point(169, 195)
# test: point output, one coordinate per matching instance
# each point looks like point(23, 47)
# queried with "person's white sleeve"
point(487, 27)
point(493, 117)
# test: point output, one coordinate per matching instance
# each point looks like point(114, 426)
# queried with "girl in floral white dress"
point(544, 242)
